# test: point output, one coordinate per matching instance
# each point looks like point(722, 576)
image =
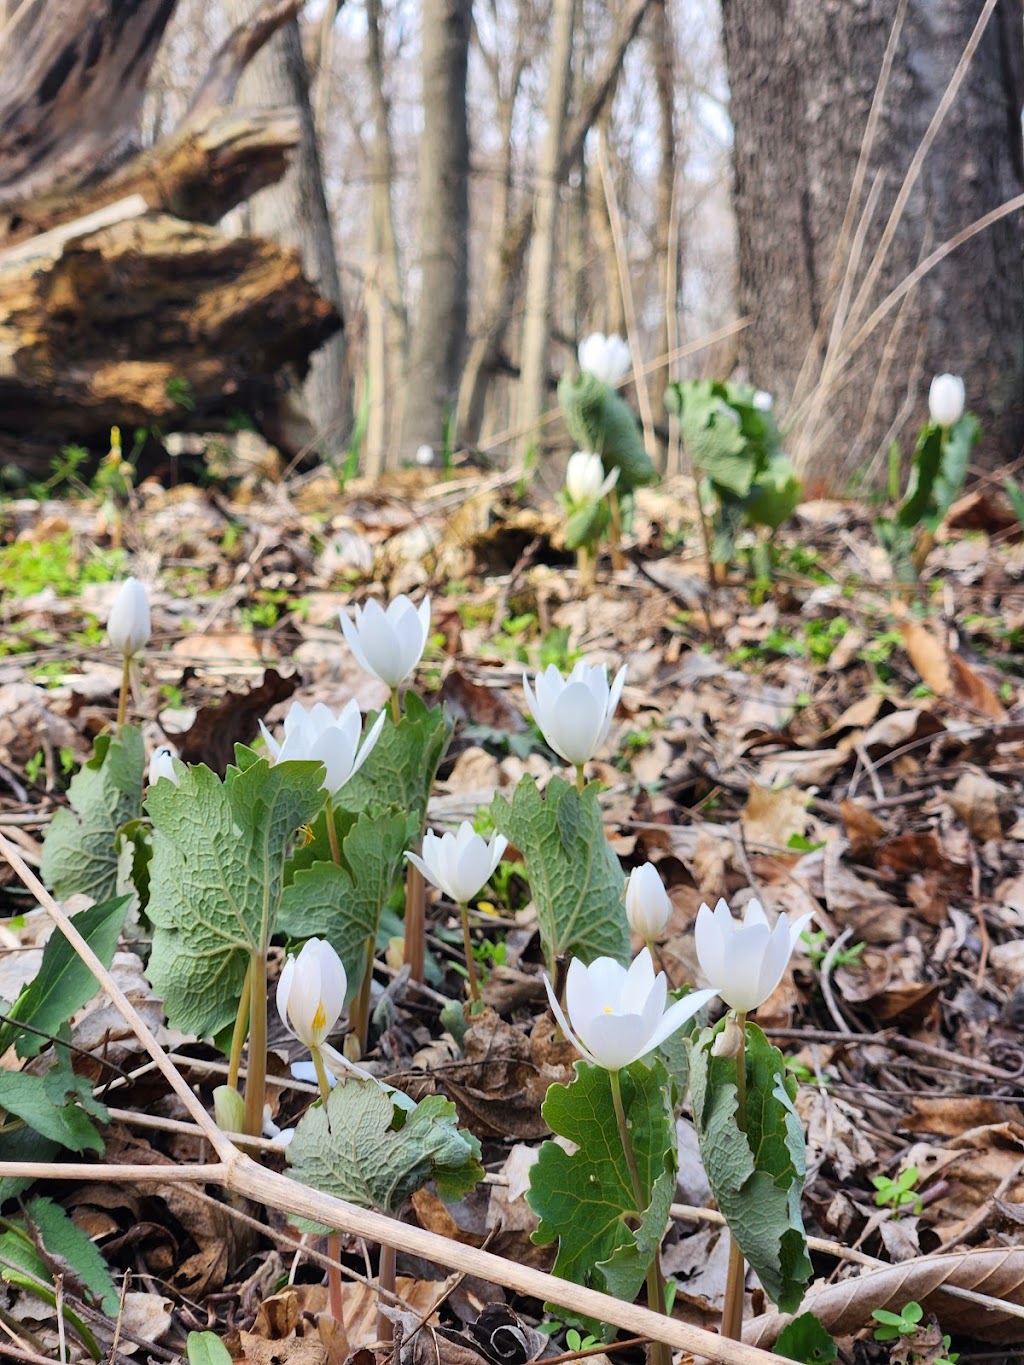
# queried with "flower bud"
point(228, 1109)
point(648, 907)
point(946, 399)
point(459, 864)
point(575, 713)
point(616, 1016)
point(585, 479)
point(744, 961)
point(311, 992)
point(161, 764)
point(128, 626)
point(389, 644)
point(604, 357)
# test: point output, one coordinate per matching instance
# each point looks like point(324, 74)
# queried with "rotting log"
point(102, 326)
point(113, 283)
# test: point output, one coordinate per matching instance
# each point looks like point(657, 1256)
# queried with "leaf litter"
point(821, 741)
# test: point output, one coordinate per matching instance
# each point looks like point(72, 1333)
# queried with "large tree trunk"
point(438, 339)
point(294, 211)
point(802, 75)
point(533, 370)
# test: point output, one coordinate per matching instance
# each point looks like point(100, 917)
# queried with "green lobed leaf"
point(776, 494)
point(585, 1199)
point(574, 875)
point(756, 1176)
point(216, 878)
point(55, 1105)
point(64, 983)
point(344, 904)
point(937, 473)
point(364, 1148)
point(599, 419)
point(585, 525)
point(78, 852)
point(22, 1144)
point(403, 763)
point(73, 1250)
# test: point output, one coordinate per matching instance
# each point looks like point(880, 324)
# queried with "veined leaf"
point(574, 875)
point(216, 878)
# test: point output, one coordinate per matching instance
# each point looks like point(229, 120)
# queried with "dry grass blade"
point(848, 1306)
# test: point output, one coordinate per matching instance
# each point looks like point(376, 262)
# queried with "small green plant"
point(900, 1193)
point(816, 944)
point(575, 1342)
point(902, 1324)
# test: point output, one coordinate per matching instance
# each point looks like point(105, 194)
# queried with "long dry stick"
point(241, 1175)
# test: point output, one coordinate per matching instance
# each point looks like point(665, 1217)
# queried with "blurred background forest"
point(820, 197)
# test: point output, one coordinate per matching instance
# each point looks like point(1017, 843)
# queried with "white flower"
point(323, 737)
point(744, 961)
point(460, 864)
point(311, 992)
point(763, 401)
point(616, 1016)
point(946, 399)
point(424, 454)
point(648, 907)
point(585, 479)
point(388, 644)
point(128, 626)
point(604, 357)
point(271, 1130)
point(575, 713)
point(161, 764)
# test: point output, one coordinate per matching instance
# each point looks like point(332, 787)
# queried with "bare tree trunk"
point(295, 212)
point(490, 332)
point(386, 323)
point(439, 329)
point(541, 271)
point(666, 243)
point(802, 75)
point(610, 315)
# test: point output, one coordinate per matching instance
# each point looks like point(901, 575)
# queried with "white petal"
point(638, 984)
point(710, 947)
point(676, 1016)
point(284, 986)
point(741, 985)
point(563, 1023)
point(574, 727)
point(616, 1040)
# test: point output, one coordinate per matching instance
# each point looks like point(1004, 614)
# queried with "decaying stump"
point(116, 293)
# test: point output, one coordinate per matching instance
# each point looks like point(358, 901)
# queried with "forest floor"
point(835, 745)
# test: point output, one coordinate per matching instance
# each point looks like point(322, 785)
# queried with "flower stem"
point(396, 706)
point(360, 1013)
point(467, 942)
point(615, 530)
point(732, 1311)
point(241, 1027)
point(334, 1240)
point(661, 1354)
point(415, 920)
point(126, 682)
point(581, 781)
point(332, 832)
point(386, 1281)
point(256, 1080)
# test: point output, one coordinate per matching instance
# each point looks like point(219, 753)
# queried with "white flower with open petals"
point(585, 479)
point(575, 713)
point(604, 357)
point(388, 643)
point(311, 992)
point(459, 864)
point(648, 907)
point(128, 625)
point(161, 764)
point(615, 1015)
point(946, 399)
point(744, 959)
point(320, 736)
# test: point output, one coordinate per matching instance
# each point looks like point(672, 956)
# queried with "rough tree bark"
point(802, 75)
point(438, 338)
point(541, 270)
point(294, 211)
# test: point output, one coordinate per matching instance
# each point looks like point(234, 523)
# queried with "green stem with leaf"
point(359, 1016)
point(334, 1239)
point(732, 1311)
point(239, 1032)
point(661, 1354)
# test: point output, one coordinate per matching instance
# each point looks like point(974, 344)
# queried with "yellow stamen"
point(319, 1019)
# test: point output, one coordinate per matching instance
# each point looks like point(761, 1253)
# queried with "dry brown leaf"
point(773, 815)
point(980, 802)
point(846, 1307)
point(946, 673)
